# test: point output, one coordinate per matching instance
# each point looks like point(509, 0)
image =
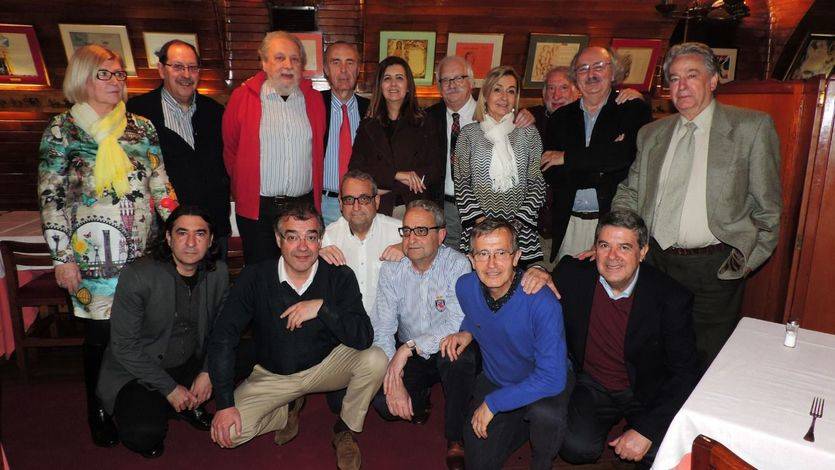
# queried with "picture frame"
point(546, 51)
point(313, 47)
point(113, 37)
point(816, 56)
point(155, 40)
point(482, 51)
point(639, 58)
point(415, 47)
point(727, 63)
point(21, 59)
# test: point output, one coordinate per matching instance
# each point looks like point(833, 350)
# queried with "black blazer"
point(602, 165)
point(362, 107)
point(541, 118)
point(660, 345)
point(198, 175)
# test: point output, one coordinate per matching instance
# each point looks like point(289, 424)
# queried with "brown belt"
point(706, 250)
point(586, 215)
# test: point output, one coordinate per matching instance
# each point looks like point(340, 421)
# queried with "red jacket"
point(242, 142)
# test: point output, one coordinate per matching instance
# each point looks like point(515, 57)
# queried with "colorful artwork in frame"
point(638, 59)
point(113, 37)
point(314, 50)
point(481, 51)
point(815, 57)
point(417, 48)
point(547, 51)
point(727, 63)
point(21, 61)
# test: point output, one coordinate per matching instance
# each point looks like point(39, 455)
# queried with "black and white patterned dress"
point(474, 193)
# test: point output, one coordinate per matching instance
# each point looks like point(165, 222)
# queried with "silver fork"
point(816, 412)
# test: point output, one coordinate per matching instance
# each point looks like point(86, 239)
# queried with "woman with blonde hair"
point(99, 173)
point(497, 165)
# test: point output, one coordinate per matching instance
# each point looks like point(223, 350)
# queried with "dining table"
point(756, 398)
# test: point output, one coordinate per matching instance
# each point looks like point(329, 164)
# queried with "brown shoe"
point(291, 430)
point(347, 451)
point(455, 455)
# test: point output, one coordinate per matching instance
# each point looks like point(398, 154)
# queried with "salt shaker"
point(791, 334)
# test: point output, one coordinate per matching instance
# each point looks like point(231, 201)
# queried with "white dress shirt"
point(283, 277)
point(363, 256)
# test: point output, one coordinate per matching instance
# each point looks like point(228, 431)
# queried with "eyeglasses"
point(457, 81)
point(597, 67)
point(498, 255)
point(363, 199)
point(104, 75)
point(295, 238)
point(419, 231)
point(180, 68)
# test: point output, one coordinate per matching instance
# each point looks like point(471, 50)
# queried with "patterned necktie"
point(667, 220)
point(344, 142)
point(453, 139)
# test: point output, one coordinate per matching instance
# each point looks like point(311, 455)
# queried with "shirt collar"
point(282, 276)
point(496, 304)
point(583, 106)
point(703, 120)
point(167, 98)
point(337, 103)
point(267, 89)
point(626, 292)
point(467, 110)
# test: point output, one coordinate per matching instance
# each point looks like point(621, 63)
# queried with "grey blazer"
point(141, 320)
point(743, 182)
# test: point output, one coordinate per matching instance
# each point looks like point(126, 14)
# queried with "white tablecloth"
point(755, 399)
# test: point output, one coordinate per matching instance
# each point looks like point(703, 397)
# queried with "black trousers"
point(716, 302)
point(142, 415)
point(258, 236)
point(543, 422)
point(592, 412)
point(456, 377)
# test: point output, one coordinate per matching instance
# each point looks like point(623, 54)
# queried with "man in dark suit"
point(707, 181)
point(164, 307)
point(588, 149)
point(344, 110)
point(189, 129)
point(629, 331)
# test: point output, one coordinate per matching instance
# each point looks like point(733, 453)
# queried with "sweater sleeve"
point(344, 314)
point(549, 375)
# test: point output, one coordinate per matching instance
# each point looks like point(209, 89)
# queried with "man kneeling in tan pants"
point(311, 335)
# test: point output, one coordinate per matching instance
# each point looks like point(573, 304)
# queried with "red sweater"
point(605, 360)
point(242, 142)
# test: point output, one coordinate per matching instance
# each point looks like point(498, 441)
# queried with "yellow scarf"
point(112, 163)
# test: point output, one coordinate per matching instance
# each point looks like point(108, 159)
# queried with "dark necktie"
point(453, 139)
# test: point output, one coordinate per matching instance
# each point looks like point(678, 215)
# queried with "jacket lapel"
point(720, 159)
point(642, 305)
point(585, 299)
point(655, 160)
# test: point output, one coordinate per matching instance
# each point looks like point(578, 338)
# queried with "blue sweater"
point(522, 344)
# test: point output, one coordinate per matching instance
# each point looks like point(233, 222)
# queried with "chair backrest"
point(709, 454)
point(235, 257)
point(16, 254)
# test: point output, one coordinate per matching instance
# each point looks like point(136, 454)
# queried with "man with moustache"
point(344, 110)
point(588, 149)
point(273, 143)
point(707, 181)
point(630, 338)
point(189, 129)
point(311, 335)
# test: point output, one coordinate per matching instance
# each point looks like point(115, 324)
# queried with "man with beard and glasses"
point(188, 125)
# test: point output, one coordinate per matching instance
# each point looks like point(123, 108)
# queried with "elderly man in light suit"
point(707, 181)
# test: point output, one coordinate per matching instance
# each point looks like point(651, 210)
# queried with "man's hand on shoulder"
point(535, 278)
point(301, 312)
point(222, 425)
point(524, 118)
point(628, 94)
point(333, 255)
point(631, 445)
point(393, 253)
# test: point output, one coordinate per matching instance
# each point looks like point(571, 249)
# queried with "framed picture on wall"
point(314, 50)
point(482, 51)
point(21, 60)
point(727, 63)
point(638, 58)
point(547, 51)
point(417, 48)
point(155, 41)
point(114, 37)
point(816, 56)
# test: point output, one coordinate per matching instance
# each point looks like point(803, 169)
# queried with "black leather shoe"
point(102, 429)
point(155, 452)
point(422, 416)
point(198, 418)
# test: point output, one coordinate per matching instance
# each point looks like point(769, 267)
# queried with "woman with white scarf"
point(100, 169)
point(496, 165)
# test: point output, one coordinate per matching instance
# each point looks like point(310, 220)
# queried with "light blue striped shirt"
point(286, 144)
point(332, 150)
point(418, 306)
point(585, 200)
point(176, 118)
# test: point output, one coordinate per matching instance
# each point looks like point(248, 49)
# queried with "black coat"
point(362, 107)
point(198, 175)
point(660, 345)
point(602, 165)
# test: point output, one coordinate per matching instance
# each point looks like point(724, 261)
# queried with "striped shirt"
point(418, 306)
point(286, 144)
point(332, 151)
point(176, 118)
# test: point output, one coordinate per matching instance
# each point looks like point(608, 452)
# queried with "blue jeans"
point(330, 209)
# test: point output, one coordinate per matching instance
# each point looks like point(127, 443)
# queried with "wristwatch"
point(411, 345)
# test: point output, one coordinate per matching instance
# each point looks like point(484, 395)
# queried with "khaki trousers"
point(262, 399)
point(579, 237)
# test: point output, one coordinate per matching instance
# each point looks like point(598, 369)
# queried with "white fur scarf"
point(504, 174)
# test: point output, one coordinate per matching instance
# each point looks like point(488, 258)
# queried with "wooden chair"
point(42, 291)
point(712, 455)
point(235, 257)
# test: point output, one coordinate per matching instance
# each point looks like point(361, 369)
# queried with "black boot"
point(102, 428)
